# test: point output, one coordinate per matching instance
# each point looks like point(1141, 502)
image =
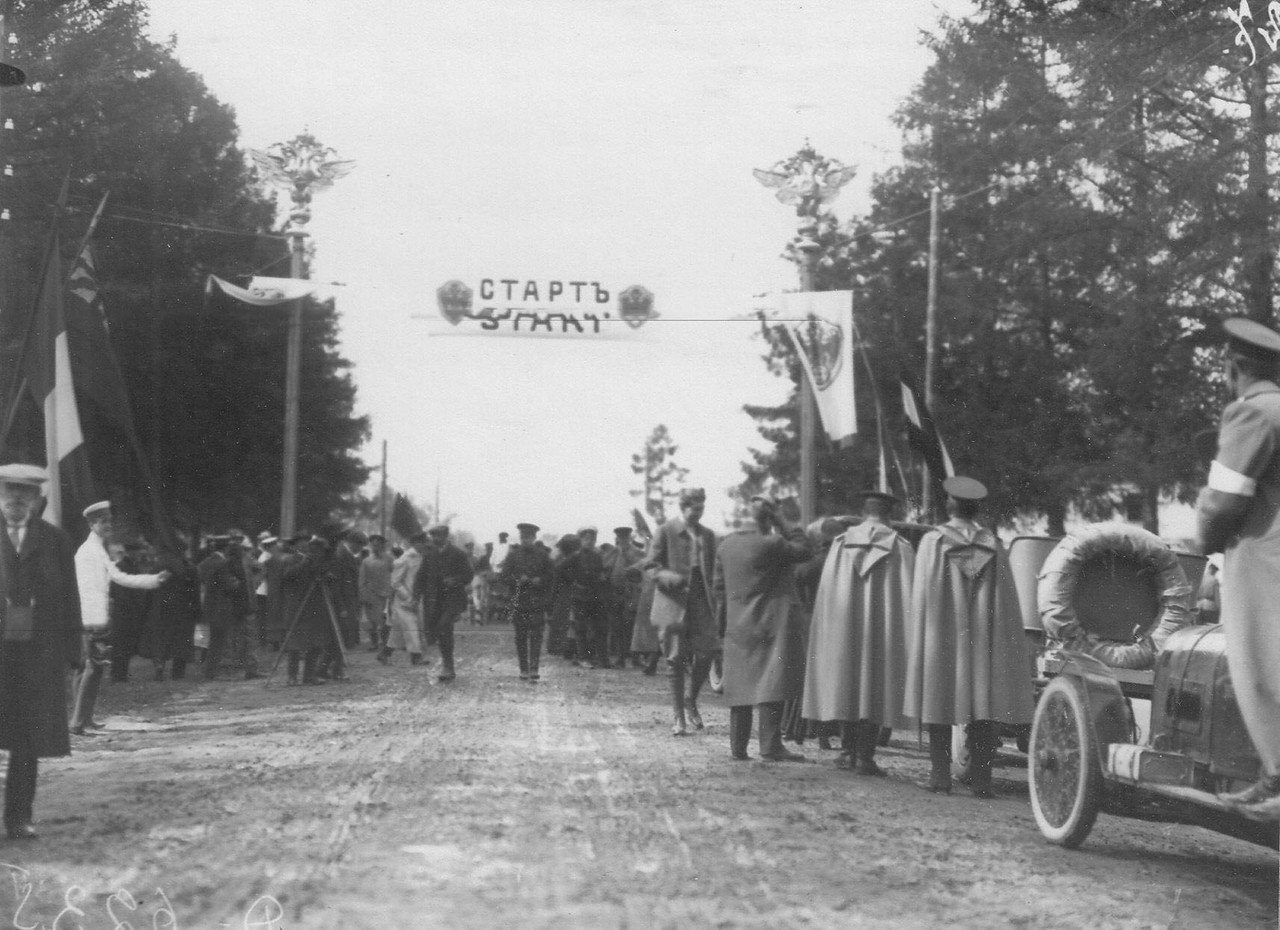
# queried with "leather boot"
point(739, 732)
point(982, 749)
point(868, 736)
point(940, 758)
point(698, 676)
point(678, 725)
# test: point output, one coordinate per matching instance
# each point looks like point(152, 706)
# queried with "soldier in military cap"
point(527, 572)
point(442, 585)
point(965, 637)
point(622, 567)
point(1239, 515)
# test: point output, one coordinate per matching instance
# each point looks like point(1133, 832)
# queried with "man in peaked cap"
point(442, 585)
point(95, 573)
point(1239, 515)
point(965, 636)
point(375, 590)
point(623, 570)
point(40, 638)
point(584, 571)
point(527, 573)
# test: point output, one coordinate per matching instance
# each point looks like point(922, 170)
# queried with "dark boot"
point(739, 731)
point(679, 726)
point(293, 660)
point(651, 667)
point(771, 747)
point(868, 736)
point(535, 651)
point(698, 676)
point(982, 750)
point(939, 758)
point(415, 658)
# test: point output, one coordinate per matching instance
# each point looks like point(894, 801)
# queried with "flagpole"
point(302, 166)
point(808, 181)
point(382, 494)
point(931, 332)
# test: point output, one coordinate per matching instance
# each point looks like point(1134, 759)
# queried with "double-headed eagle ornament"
point(806, 180)
point(302, 166)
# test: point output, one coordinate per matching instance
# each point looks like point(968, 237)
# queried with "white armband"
point(1222, 478)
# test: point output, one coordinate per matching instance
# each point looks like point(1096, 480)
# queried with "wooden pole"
point(382, 494)
point(931, 334)
point(293, 377)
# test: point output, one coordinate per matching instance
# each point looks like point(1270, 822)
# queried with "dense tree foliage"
point(116, 112)
point(1105, 173)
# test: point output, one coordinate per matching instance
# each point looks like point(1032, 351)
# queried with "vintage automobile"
point(1158, 742)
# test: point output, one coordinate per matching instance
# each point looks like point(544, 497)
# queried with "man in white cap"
point(1239, 516)
point(39, 640)
point(966, 640)
point(94, 574)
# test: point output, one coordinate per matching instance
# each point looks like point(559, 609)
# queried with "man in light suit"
point(681, 564)
point(1239, 516)
point(95, 573)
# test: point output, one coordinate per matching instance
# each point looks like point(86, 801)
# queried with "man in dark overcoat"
point(764, 625)
point(40, 639)
point(226, 602)
point(625, 575)
point(442, 584)
point(527, 572)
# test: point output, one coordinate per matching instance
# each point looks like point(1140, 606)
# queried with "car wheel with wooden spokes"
point(1063, 771)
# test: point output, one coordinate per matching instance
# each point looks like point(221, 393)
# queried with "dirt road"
point(392, 801)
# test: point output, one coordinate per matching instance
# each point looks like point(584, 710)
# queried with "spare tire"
point(1115, 592)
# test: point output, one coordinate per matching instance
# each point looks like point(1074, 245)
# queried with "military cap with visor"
point(963, 488)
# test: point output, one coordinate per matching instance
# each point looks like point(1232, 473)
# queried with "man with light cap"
point(40, 638)
point(527, 572)
point(375, 590)
point(1238, 514)
point(966, 640)
point(857, 660)
point(681, 563)
point(95, 573)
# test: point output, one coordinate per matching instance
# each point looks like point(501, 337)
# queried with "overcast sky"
point(569, 140)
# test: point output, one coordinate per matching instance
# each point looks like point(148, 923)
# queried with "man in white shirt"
point(94, 574)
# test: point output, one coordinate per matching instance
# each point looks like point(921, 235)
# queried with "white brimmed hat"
point(99, 507)
point(19, 473)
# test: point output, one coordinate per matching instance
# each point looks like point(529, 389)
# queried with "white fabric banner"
point(265, 292)
point(820, 325)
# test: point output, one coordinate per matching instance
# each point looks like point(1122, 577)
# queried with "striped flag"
point(47, 367)
point(923, 434)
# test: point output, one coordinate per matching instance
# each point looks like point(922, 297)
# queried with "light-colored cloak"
point(857, 665)
point(967, 658)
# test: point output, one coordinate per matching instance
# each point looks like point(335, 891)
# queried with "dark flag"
point(47, 369)
point(100, 379)
point(403, 520)
point(922, 434)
